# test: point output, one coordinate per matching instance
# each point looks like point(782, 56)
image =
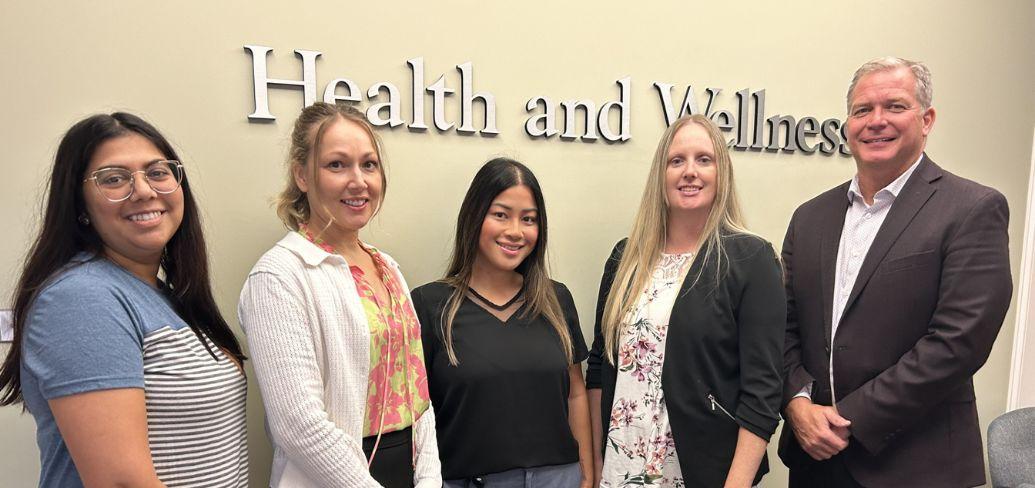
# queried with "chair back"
point(1011, 449)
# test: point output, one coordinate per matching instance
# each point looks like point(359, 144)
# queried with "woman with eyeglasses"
point(120, 353)
point(685, 370)
point(503, 346)
point(332, 333)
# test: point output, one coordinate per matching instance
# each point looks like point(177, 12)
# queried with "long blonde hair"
point(492, 179)
point(647, 238)
point(292, 204)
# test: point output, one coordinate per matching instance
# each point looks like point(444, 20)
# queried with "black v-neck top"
point(505, 405)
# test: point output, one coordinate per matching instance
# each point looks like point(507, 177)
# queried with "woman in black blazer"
point(685, 366)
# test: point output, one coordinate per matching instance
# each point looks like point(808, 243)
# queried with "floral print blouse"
point(397, 393)
point(640, 450)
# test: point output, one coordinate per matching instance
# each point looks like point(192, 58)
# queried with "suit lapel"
point(911, 199)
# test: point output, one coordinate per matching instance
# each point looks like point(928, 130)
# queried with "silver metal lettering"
point(829, 133)
point(689, 102)
point(603, 122)
point(417, 77)
point(712, 93)
point(330, 94)
point(726, 122)
point(571, 108)
point(843, 147)
point(759, 97)
point(439, 90)
point(261, 81)
point(742, 119)
point(775, 122)
point(374, 111)
point(467, 98)
point(547, 117)
point(807, 127)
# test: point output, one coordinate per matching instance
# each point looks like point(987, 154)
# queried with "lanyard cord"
point(384, 393)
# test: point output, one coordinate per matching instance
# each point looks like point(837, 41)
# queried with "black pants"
point(393, 463)
point(831, 473)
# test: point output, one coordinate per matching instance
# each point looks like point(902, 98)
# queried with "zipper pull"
point(715, 403)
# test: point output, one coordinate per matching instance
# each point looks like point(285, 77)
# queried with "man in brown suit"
point(897, 285)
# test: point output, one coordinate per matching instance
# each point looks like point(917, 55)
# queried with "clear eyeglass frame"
point(177, 175)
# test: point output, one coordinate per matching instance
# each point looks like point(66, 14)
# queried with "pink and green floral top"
point(397, 393)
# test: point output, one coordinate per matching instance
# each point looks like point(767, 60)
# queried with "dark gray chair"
point(1011, 449)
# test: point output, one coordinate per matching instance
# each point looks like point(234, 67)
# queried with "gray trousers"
point(563, 476)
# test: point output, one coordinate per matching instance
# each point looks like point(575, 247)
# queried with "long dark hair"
point(495, 177)
point(61, 236)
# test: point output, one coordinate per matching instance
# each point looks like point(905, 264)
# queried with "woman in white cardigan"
point(332, 334)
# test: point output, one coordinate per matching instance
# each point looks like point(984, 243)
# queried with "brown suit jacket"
point(921, 319)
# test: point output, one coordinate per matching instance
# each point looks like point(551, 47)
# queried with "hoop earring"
point(84, 219)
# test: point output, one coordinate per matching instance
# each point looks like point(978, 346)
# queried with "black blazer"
point(725, 341)
point(921, 318)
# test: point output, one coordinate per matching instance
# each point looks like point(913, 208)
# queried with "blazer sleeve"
point(596, 352)
point(761, 320)
point(974, 293)
point(280, 343)
point(795, 376)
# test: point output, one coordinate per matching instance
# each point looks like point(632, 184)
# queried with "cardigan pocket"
point(715, 404)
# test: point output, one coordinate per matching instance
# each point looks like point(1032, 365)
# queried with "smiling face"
point(690, 174)
point(509, 231)
point(349, 182)
point(137, 229)
point(887, 127)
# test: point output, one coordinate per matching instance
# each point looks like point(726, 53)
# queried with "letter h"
point(263, 81)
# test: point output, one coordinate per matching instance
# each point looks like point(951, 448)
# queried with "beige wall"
point(183, 67)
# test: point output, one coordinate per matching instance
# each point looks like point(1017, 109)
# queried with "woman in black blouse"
point(503, 346)
point(684, 374)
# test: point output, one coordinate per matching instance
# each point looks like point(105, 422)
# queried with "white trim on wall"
point(6, 326)
point(1021, 372)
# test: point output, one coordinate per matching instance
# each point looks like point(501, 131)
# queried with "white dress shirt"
point(862, 221)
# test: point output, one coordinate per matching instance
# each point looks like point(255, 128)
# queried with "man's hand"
point(821, 432)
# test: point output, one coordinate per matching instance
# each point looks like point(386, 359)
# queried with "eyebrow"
point(369, 155)
point(507, 207)
point(889, 100)
point(122, 166)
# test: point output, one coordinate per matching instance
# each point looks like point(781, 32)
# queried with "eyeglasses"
point(116, 184)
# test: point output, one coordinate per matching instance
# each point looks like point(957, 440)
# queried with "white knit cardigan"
point(309, 343)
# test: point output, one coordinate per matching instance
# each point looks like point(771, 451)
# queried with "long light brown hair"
point(647, 238)
point(492, 179)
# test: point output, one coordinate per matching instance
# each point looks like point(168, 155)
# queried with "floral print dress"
point(640, 450)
